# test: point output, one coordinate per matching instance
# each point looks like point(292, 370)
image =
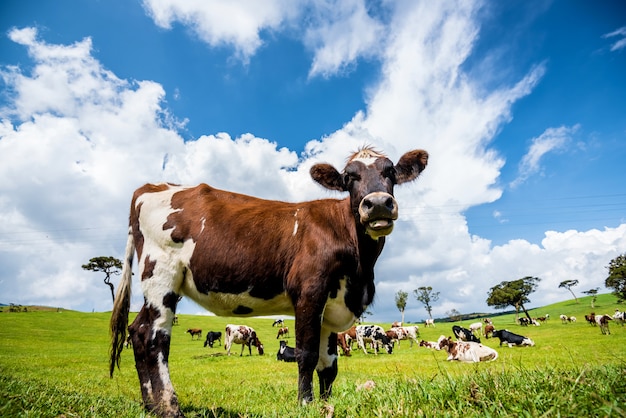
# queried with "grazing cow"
point(211, 337)
point(512, 339)
point(476, 328)
point(430, 344)
point(464, 334)
point(572, 319)
point(396, 324)
point(523, 321)
point(488, 321)
point(373, 334)
point(603, 322)
point(279, 323)
point(489, 329)
point(238, 255)
point(591, 318)
point(195, 332)
point(467, 351)
point(403, 333)
point(564, 319)
point(343, 343)
point(175, 320)
point(244, 335)
point(286, 353)
point(429, 323)
point(619, 317)
point(283, 332)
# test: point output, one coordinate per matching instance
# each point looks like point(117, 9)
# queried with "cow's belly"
point(239, 304)
point(337, 317)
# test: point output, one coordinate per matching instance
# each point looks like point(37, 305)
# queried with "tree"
point(514, 293)
point(617, 277)
point(107, 265)
point(454, 315)
point(401, 298)
point(568, 284)
point(594, 293)
point(426, 296)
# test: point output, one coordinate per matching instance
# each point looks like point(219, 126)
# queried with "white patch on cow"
point(336, 316)
point(223, 304)
point(295, 224)
point(164, 375)
point(325, 360)
point(203, 221)
point(366, 160)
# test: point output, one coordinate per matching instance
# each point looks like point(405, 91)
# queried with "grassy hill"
point(56, 364)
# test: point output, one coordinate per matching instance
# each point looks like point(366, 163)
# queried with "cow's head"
point(369, 177)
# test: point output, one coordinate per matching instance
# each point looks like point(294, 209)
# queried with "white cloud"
point(76, 141)
point(342, 32)
point(551, 140)
point(621, 42)
point(235, 24)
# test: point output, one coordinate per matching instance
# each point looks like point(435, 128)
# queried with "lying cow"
point(464, 334)
point(286, 353)
point(211, 337)
point(244, 335)
point(373, 334)
point(467, 352)
point(511, 339)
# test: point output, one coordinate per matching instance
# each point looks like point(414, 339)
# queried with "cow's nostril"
point(367, 204)
point(390, 203)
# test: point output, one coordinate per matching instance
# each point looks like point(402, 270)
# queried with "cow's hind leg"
point(150, 333)
point(327, 362)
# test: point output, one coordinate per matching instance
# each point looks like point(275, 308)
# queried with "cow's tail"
point(121, 306)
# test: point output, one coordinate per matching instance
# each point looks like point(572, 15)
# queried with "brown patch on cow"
point(148, 270)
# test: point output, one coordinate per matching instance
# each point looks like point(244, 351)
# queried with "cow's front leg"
point(308, 327)
point(327, 362)
point(151, 345)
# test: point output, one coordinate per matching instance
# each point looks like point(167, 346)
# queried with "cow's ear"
point(328, 176)
point(411, 165)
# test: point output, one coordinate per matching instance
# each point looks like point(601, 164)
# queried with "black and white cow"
point(373, 334)
point(464, 334)
point(211, 337)
point(237, 255)
point(286, 353)
point(511, 339)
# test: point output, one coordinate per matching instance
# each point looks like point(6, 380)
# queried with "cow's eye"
point(390, 173)
point(349, 177)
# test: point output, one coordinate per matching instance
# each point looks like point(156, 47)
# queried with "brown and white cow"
point(244, 335)
point(400, 333)
point(467, 351)
point(238, 255)
point(282, 332)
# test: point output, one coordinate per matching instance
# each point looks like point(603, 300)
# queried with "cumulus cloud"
point(234, 24)
point(551, 140)
point(620, 43)
point(76, 140)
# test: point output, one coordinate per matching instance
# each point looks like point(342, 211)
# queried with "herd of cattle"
point(466, 348)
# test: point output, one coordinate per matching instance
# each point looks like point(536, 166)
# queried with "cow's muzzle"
point(378, 211)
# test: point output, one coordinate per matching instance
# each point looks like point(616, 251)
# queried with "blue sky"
point(520, 104)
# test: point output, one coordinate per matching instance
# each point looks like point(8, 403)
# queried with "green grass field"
point(56, 364)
